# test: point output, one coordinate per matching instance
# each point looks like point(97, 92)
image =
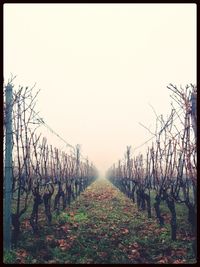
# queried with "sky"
point(100, 68)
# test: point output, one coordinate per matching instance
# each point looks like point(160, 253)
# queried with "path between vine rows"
point(101, 226)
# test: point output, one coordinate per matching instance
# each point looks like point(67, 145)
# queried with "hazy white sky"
point(99, 65)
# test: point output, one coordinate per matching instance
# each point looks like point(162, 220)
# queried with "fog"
point(100, 68)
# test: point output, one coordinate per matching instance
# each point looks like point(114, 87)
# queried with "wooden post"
point(193, 101)
point(128, 171)
point(128, 162)
point(77, 168)
point(8, 169)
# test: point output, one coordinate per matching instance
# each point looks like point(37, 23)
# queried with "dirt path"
point(102, 226)
point(105, 232)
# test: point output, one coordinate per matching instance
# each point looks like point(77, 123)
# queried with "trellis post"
point(8, 169)
point(77, 160)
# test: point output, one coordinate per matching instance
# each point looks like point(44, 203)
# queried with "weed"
point(9, 257)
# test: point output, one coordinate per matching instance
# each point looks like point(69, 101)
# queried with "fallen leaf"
point(135, 245)
point(102, 254)
point(22, 253)
point(135, 253)
point(163, 260)
point(49, 238)
point(61, 242)
point(179, 252)
point(179, 261)
point(125, 231)
point(64, 228)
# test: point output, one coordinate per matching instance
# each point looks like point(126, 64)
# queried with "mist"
point(100, 68)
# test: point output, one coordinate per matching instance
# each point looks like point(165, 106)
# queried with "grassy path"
point(102, 226)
